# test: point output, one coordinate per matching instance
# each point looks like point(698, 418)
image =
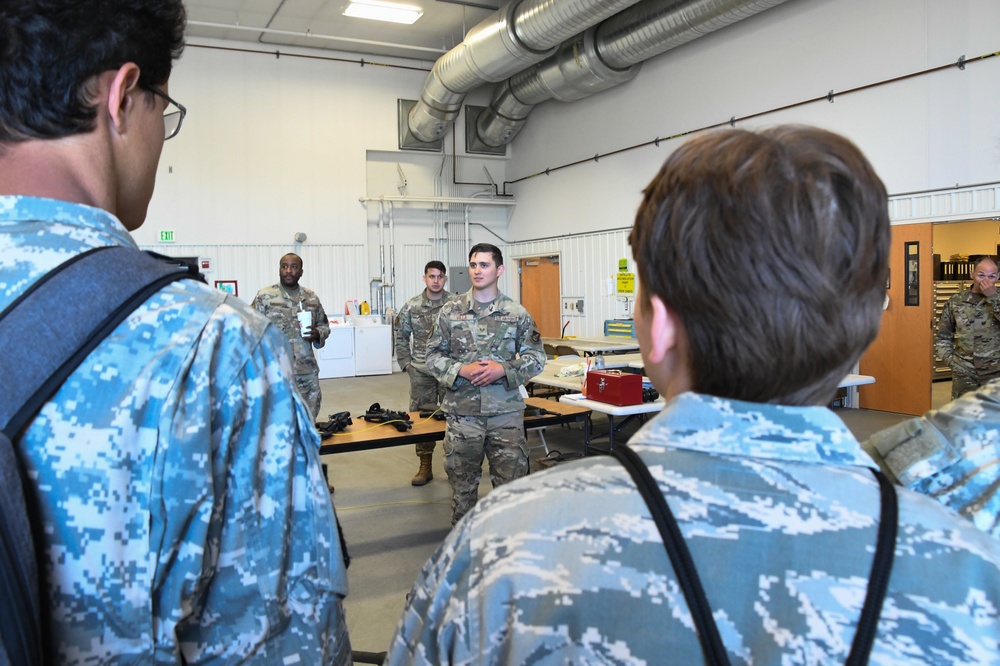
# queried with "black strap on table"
point(694, 592)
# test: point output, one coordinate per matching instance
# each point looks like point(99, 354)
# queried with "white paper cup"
point(305, 322)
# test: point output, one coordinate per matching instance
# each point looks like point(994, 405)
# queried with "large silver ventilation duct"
point(514, 37)
point(605, 56)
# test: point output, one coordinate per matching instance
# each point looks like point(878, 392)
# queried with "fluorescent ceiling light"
point(383, 11)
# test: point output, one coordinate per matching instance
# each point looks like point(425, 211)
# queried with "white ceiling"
point(321, 24)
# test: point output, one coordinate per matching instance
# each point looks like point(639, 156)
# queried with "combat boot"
point(424, 474)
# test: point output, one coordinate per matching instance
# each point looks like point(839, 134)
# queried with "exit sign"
point(167, 236)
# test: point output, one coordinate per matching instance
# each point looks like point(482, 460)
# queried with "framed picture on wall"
point(228, 286)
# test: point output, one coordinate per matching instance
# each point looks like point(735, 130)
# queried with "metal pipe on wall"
point(381, 251)
point(392, 260)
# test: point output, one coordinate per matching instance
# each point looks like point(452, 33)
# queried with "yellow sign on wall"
point(626, 283)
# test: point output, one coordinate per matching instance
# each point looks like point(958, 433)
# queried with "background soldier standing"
point(968, 333)
point(414, 324)
point(483, 348)
point(281, 303)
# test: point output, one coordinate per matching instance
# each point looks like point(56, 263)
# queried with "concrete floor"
point(392, 528)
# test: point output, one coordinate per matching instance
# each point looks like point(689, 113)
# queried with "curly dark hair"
point(773, 250)
point(51, 49)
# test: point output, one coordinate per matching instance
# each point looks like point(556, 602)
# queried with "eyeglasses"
point(172, 120)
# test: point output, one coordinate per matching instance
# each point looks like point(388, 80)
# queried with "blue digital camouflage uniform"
point(413, 325)
point(483, 420)
point(184, 508)
point(968, 340)
point(278, 306)
point(780, 512)
point(951, 454)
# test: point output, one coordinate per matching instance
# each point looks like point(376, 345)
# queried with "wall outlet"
point(572, 306)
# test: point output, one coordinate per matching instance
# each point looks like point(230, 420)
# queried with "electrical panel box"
point(572, 306)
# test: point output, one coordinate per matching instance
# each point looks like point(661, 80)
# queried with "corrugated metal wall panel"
point(335, 272)
point(586, 263)
point(410, 271)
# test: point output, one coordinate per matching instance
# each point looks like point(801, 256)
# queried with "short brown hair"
point(486, 248)
point(772, 249)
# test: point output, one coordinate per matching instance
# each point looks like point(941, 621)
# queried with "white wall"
point(274, 145)
point(924, 132)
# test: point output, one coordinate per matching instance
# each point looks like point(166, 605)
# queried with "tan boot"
point(424, 474)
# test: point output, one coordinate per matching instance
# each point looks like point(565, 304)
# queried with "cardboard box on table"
point(614, 387)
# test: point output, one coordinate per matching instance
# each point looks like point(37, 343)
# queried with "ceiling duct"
point(605, 56)
point(513, 38)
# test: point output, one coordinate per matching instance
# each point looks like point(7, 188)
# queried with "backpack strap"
point(680, 556)
point(694, 592)
point(63, 316)
point(47, 332)
point(878, 580)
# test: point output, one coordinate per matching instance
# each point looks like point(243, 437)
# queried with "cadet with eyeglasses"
point(968, 332)
point(181, 505)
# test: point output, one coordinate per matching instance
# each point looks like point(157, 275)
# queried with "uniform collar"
point(494, 305)
point(733, 427)
point(428, 301)
point(16, 208)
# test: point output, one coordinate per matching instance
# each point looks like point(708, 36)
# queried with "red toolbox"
point(614, 387)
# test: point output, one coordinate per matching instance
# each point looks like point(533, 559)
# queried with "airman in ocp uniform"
point(282, 303)
point(968, 333)
point(483, 348)
point(413, 325)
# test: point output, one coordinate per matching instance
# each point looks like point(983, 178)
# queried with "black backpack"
point(46, 334)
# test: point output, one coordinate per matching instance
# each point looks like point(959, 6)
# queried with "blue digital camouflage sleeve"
point(273, 567)
point(202, 456)
point(951, 454)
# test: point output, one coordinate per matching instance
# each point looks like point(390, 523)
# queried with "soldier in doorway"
point(968, 333)
point(414, 324)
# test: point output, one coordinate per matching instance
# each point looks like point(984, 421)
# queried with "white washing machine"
point(373, 349)
point(336, 357)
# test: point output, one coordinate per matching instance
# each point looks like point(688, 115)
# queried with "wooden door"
point(900, 358)
point(540, 292)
